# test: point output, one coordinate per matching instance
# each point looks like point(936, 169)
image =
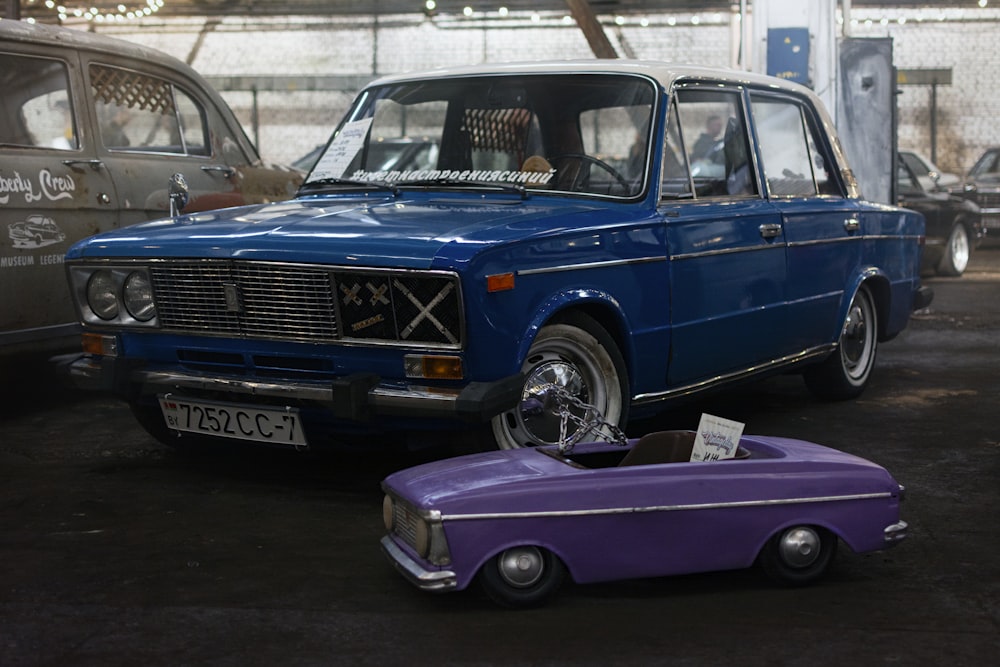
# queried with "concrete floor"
point(115, 551)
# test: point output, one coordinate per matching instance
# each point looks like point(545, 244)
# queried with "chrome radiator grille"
point(404, 522)
point(306, 302)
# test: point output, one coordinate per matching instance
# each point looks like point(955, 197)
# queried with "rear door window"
point(793, 162)
point(140, 112)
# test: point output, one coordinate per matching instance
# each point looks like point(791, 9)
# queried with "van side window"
point(36, 103)
point(138, 112)
point(715, 138)
point(793, 163)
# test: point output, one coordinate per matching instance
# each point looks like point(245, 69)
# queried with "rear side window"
point(35, 107)
point(793, 163)
point(139, 112)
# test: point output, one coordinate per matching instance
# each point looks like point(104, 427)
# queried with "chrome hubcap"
point(521, 567)
point(856, 338)
point(799, 547)
point(539, 409)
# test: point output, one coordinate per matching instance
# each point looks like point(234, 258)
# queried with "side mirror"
point(178, 193)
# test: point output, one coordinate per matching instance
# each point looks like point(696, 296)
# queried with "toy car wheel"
point(798, 555)
point(844, 374)
point(956, 252)
point(524, 576)
point(578, 356)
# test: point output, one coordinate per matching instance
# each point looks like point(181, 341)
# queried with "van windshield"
point(581, 133)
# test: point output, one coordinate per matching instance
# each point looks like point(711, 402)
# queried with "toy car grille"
point(405, 522)
point(306, 302)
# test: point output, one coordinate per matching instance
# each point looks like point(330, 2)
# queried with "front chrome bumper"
point(357, 397)
point(435, 581)
point(896, 533)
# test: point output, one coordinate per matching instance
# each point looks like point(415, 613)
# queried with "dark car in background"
point(982, 186)
point(929, 174)
point(954, 225)
point(91, 130)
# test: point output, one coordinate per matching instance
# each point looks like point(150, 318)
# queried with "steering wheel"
point(578, 179)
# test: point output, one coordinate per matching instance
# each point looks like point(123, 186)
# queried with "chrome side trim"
point(695, 387)
point(727, 251)
point(592, 265)
point(435, 581)
point(663, 508)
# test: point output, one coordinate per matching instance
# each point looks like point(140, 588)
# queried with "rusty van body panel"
point(91, 128)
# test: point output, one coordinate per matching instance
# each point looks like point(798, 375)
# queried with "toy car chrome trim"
point(663, 508)
point(424, 579)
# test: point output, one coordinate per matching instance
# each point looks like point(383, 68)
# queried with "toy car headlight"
point(422, 539)
point(138, 296)
point(388, 514)
point(101, 295)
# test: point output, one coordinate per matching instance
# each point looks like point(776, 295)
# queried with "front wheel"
point(845, 373)
point(798, 555)
point(577, 356)
point(525, 576)
point(956, 252)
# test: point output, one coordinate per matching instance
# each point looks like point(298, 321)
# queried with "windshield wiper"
point(375, 185)
point(503, 187)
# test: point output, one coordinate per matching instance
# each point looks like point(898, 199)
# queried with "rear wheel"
point(576, 355)
point(798, 555)
point(525, 576)
point(956, 252)
point(845, 373)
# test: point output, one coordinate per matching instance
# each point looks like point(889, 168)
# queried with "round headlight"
point(422, 538)
point(101, 295)
point(388, 516)
point(138, 296)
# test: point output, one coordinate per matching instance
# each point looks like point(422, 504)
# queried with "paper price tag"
point(342, 150)
point(716, 439)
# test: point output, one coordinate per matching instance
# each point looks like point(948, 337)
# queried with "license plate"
point(278, 426)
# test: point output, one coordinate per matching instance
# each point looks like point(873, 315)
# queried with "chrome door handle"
point(770, 230)
point(93, 164)
point(221, 168)
point(851, 225)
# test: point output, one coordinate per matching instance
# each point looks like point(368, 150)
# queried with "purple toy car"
point(520, 520)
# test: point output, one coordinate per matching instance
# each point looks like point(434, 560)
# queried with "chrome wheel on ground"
point(845, 373)
point(956, 252)
point(576, 356)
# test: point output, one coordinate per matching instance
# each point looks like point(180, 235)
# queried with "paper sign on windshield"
point(716, 439)
point(342, 150)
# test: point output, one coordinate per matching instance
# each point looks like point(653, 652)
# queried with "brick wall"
point(293, 122)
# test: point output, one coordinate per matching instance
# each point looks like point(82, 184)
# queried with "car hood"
point(359, 230)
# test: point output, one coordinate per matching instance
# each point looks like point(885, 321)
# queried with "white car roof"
point(663, 72)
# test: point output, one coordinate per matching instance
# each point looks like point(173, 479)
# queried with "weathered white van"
point(91, 129)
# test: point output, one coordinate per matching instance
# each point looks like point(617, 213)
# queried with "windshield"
point(559, 133)
point(988, 166)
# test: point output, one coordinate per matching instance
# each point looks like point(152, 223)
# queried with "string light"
point(117, 14)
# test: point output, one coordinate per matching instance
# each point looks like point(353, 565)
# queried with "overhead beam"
point(592, 30)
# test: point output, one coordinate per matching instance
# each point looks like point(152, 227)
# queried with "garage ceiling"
point(37, 9)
